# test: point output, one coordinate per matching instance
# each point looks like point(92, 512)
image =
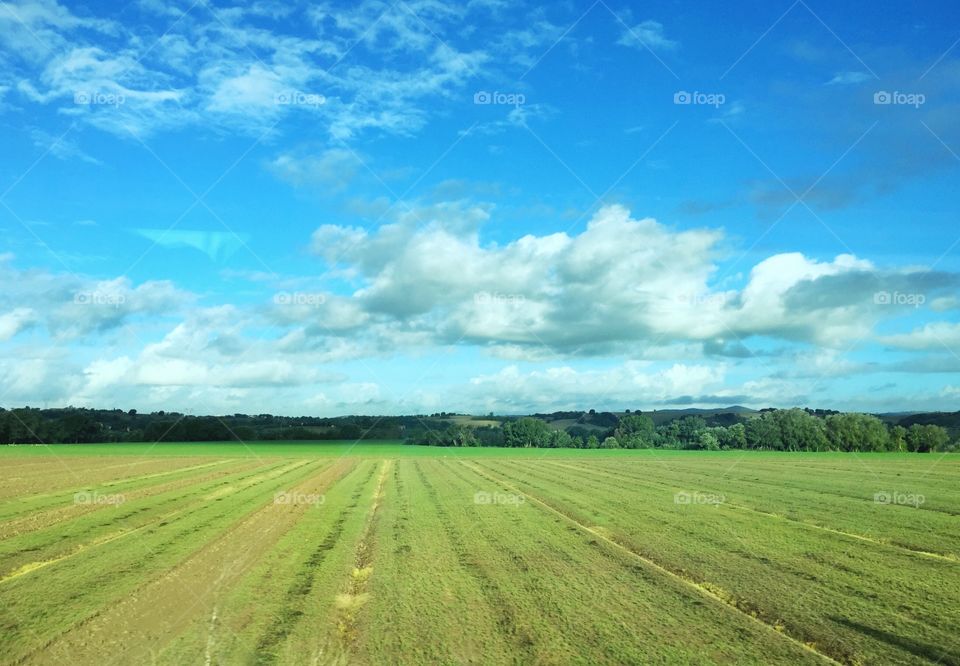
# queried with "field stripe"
point(284, 623)
point(493, 594)
point(620, 547)
point(350, 602)
point(776, 516)
point(40, 519)
point(110, 482)
point(167, 604)
point(31, 567)
point(828, 491)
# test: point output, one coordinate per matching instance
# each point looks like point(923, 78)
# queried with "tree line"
point(774, 430)
point(30, 425)
point(770, 429)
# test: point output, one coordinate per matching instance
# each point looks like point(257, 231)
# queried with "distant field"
point(475, 421)
point(317, 553)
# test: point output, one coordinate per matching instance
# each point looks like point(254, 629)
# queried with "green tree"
point(923, 438)
point(610, 443)
point(636, 431)
point(76, 427)
point(898, 438)
point(801, 431)
point(857, 432)
point(732, 437)
point(462, 436)
point(763, 432)
point(526, 432)
point(26, 426)
point(708, 441)
point(689, 429)
point(561, 439)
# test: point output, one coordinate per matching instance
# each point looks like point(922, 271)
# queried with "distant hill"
point(948, 420)
point(593, 422)
point(719, 416)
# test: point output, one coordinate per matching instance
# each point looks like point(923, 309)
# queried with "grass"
point(407, 554)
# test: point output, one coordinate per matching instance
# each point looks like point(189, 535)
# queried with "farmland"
point(299, 553)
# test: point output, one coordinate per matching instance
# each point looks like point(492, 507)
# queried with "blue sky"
point(418, 206)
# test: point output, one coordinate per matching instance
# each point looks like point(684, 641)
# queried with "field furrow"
point(821, 588)
point(899, 526)
point(369, 554)
point(77, 589)
point(135, 628)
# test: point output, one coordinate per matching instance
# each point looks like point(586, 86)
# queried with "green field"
point(334, 553)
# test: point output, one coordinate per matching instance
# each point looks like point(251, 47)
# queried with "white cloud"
point(15, 321)
point(255, 90)
point(379, 67)
point(620, 282)
point(62, 147)
point(229, 71)
point(936, 336)
point(512, 390)
point(332, 169)
point(767, 305)
point(426, 283)
point(849, 78)
point(647, 34)
point(70, 306)
point(31, 29)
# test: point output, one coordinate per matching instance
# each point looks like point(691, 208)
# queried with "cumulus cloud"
point(208, 351)
point(512, 390)
point(936, 335)
point(72, 306)
point(622, 284)
point(426, 284)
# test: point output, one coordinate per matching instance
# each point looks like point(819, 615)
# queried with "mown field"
point(291, 553)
